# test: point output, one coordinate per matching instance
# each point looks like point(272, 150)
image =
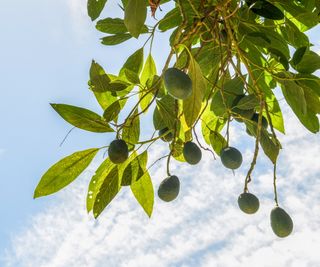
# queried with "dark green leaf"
point(298, 55)
point(64, 172)
point(95, 7)
point(166, 107)
point(111, 25)
point(99, 80)
point(82, 118)
point(115, 39)
point(112, 111)
point(107, 191)
point(131, 130)
point(96, 182)
point(248, 102)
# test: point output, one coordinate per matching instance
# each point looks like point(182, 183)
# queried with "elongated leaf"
point(131, 130)
point(134, 16)
point(144, 193)
point(64, 172)
point(99, 80)
point(112, 111)
point(248, 102)
point(158, 122)
point(166, 108)
point(133, 63)
point(309, 63)
point(269, 146)
point(295, 97)
point(95, 7)
point(217, 142)
point(171, 20)
point(298, 55)
point(96, 182)
point(192, 105)
point(111, 25)
point(133, 170)
point(107, 191)
point(82, 118)
point(115, 39)
point(148, 73)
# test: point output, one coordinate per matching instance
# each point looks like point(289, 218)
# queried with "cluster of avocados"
point(179, 86)
point(281, 222)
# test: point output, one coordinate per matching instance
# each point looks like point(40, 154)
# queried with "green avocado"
point(281, 223)
point(248, 203)
point(169, 188)
point(168, 137)
point(177, 83)
point(192, 153)
point(231, 158)
point(118, 151)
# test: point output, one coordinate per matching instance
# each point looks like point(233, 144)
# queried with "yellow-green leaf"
point(64, 172)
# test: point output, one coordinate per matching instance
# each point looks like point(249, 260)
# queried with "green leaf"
point(309, 81)
point(95, 7)
point(295, 97)
point(144, 193)
point(275, 112)
point(105, 99)
point(158, 122)
point(217, 141)
point(148, 72)
point(111, 25)
point(64, 172)
point(234, 86)
point(166, 107)
point(131, 130)
point(112, 111)
point(135, 14)
point(97, 180)
point(298, 55)
point(269, 146)
point(309, 63)
point(115, 39)
point(82, 118)
point(133, 63)
point(99, 80)
point(192, 105)
point(267, 10)
point(248, 102)
point(211, 123)
point(131, 76)
point(107, 191)
point(171, 20)
point(134, 168)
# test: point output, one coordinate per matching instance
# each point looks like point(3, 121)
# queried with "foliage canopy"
point(232, 54)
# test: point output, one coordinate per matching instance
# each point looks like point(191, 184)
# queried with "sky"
point(45, 55)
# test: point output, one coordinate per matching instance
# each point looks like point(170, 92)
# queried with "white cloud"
point(203, 227)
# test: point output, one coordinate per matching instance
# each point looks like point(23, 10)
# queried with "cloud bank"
point(203, 227)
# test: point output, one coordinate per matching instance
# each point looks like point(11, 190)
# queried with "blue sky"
point(46, 50)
